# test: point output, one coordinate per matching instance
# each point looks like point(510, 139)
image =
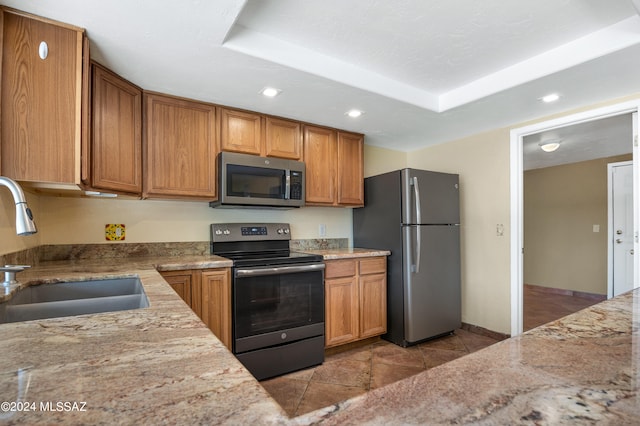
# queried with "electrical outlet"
point(500, 230)
point(114, 232)
point(322, 230)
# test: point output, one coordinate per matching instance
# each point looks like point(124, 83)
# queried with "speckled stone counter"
point(347, 253)
point(158, 365)
point(582, 369)
point(161, 365)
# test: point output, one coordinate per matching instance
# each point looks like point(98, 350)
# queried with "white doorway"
point(516, 163)
point(620, 228)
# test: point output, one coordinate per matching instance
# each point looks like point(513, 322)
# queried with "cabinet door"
point(373, 305)
point(283, 138)
point(350, 169)
point(117, 133)
point(216, 303)
point(180, 148)
point(180, 282)
point(240, 131)
point(320, 159)
point(41, 100)
point(341, 302)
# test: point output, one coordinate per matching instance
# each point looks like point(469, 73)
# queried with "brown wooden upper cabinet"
point(240, 131)
point(180, 148)
point(252, 133)
point(42, 98)
point(350, 169)
point(116, 143)
point(334, 167)
point(283, 138)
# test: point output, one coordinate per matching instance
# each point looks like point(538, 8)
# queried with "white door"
point(621, 227)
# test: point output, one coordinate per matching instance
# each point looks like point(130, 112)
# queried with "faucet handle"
point(16, 268)
point(10, 272)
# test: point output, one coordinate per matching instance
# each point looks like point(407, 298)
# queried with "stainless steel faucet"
point(24, 217)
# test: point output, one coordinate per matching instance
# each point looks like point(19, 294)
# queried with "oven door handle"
point(257, 272)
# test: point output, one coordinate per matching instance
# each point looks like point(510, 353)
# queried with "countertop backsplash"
point(319, 244)
point(44, 253)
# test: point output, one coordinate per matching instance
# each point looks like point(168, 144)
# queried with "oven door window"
point(276, 302)
point(255, 182)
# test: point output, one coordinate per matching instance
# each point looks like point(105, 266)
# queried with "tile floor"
point(358, 370)
point(375, 364)
point(541, 305)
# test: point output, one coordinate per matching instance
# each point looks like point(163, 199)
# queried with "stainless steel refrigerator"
point(416, 215)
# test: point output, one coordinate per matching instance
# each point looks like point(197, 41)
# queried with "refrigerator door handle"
point(418, 244)
point(416, 191)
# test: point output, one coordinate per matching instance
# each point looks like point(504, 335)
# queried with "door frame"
point(516, 194)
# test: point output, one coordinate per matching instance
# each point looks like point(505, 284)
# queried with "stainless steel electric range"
point(277, 298)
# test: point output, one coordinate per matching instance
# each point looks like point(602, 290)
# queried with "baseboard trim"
point(484, 331)
point(564, 292)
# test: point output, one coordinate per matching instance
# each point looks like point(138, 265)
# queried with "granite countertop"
point(348, 253)
point(161, 365)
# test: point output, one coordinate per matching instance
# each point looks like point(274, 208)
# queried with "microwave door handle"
point(287, 185)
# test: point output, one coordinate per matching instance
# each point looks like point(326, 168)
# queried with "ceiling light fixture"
point(354, 113)
point(270, 92)
point(552, 97)
point(550, 145)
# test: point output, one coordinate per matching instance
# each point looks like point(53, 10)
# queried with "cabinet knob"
point(43, 50)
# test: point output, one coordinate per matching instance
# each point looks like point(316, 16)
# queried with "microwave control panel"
point(296, 186)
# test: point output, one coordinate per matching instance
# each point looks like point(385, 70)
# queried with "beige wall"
point(82, 220)
point(482, 161)
point(381, 160)
point(9, 241)
point(561, 206)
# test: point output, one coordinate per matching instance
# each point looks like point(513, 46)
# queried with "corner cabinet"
point(180, 148)
point(42, 98)
point(334, 167)
point(116, 142)
point(208, 294)
point(355, 299)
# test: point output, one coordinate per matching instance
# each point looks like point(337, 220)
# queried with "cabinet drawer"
point(373, 265)
point(340, 268)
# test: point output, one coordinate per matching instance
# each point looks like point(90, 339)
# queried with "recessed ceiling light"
point(354, 113)
point(270, 92)
point(552, 97)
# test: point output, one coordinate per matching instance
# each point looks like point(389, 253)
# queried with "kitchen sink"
point(74, 298)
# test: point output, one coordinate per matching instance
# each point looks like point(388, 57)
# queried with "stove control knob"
point(286, 230)
point(218, 231)
point(280, 231)
point(226, 232)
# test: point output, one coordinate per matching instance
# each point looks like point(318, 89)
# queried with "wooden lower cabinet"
point(181, 282)
point(215, 298)
point(355, 299)
point(208, 294)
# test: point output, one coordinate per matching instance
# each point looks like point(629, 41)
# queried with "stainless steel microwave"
point(251, 181)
